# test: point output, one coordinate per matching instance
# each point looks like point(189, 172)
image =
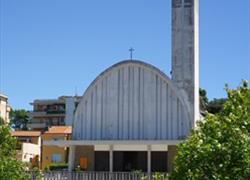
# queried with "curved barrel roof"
point(131, 100)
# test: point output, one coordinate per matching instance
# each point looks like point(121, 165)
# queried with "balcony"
point(36, 125)
point(37, 113)
point(46, 113)
point(55, 112)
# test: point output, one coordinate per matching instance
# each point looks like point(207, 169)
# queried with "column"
point(149, 159)
point(110, 158)
point(71, 158)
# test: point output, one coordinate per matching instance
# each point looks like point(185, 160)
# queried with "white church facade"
point(132, 116)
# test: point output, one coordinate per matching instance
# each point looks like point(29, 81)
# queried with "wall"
point(48, 151)
point(36, 140)
point(30, 150)
point(70, 108)
point(4, 108)
point(89, 153)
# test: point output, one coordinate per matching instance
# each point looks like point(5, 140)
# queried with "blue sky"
point(51, 48)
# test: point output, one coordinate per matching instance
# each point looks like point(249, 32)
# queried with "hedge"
point(57, 166)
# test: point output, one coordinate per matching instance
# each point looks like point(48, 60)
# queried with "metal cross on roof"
point(131, 53)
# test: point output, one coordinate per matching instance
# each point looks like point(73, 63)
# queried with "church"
point(132, 116)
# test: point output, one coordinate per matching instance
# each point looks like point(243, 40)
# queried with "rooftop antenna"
point(131, 53)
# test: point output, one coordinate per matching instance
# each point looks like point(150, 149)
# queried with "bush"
point(219, 148)
point(10, 168)
point(57, 167)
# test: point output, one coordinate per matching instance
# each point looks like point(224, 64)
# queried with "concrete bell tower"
point(185, 52)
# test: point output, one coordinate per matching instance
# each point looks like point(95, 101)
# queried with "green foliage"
point(78, 169)
point(158, 176)
point(46, 169)
point(10, 168)
point(36, 174)
point(7, 142)
point(216, 105)
point(155, 176)
point(57, 166)
point(203, 100)
point(219, 148)
point(1, 121)
point(19, 118)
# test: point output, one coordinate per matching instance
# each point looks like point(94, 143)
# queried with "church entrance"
point(159, 161)
point(127, 161)
point(102, 161)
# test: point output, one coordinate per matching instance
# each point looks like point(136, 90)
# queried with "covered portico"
point(110, 154)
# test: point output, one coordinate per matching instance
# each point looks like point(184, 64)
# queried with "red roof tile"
point(59, 130)
point(26, 133)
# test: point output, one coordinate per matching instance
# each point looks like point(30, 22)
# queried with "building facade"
point(52, 112)
point(4, 108)
point(52, 154)
point(28, 147)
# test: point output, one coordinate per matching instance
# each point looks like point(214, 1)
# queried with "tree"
point(19, 118)
point(10, 168)
point(1, 121)
point(219, 148)
point(203, 101)
point(216, 105)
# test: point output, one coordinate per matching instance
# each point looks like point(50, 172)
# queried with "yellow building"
point(54, 154)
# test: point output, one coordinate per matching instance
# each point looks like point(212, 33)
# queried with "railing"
point(64, 175)
point(36, 125)
point(46, 113)
point(55, 112)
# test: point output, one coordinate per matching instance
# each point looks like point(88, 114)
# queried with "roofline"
point(68, 143)
point(60, 99)
point(56, 133)
point(25, 135)
point(127, 61)
point(3, 96)
point(142, 63)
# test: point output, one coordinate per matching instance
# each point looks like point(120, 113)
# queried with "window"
point(176, 3)
point(56, 158)
point(189, 3)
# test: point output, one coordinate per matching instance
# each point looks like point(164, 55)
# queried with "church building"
point(132, 116)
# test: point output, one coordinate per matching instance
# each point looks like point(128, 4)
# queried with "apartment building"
point(52, 112)
point(4, 108)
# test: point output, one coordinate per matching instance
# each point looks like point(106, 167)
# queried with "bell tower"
point(185, 52)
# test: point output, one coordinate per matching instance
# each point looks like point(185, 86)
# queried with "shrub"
point(56, 167)
point(219, 148)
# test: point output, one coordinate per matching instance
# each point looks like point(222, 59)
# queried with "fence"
point(64, 175)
